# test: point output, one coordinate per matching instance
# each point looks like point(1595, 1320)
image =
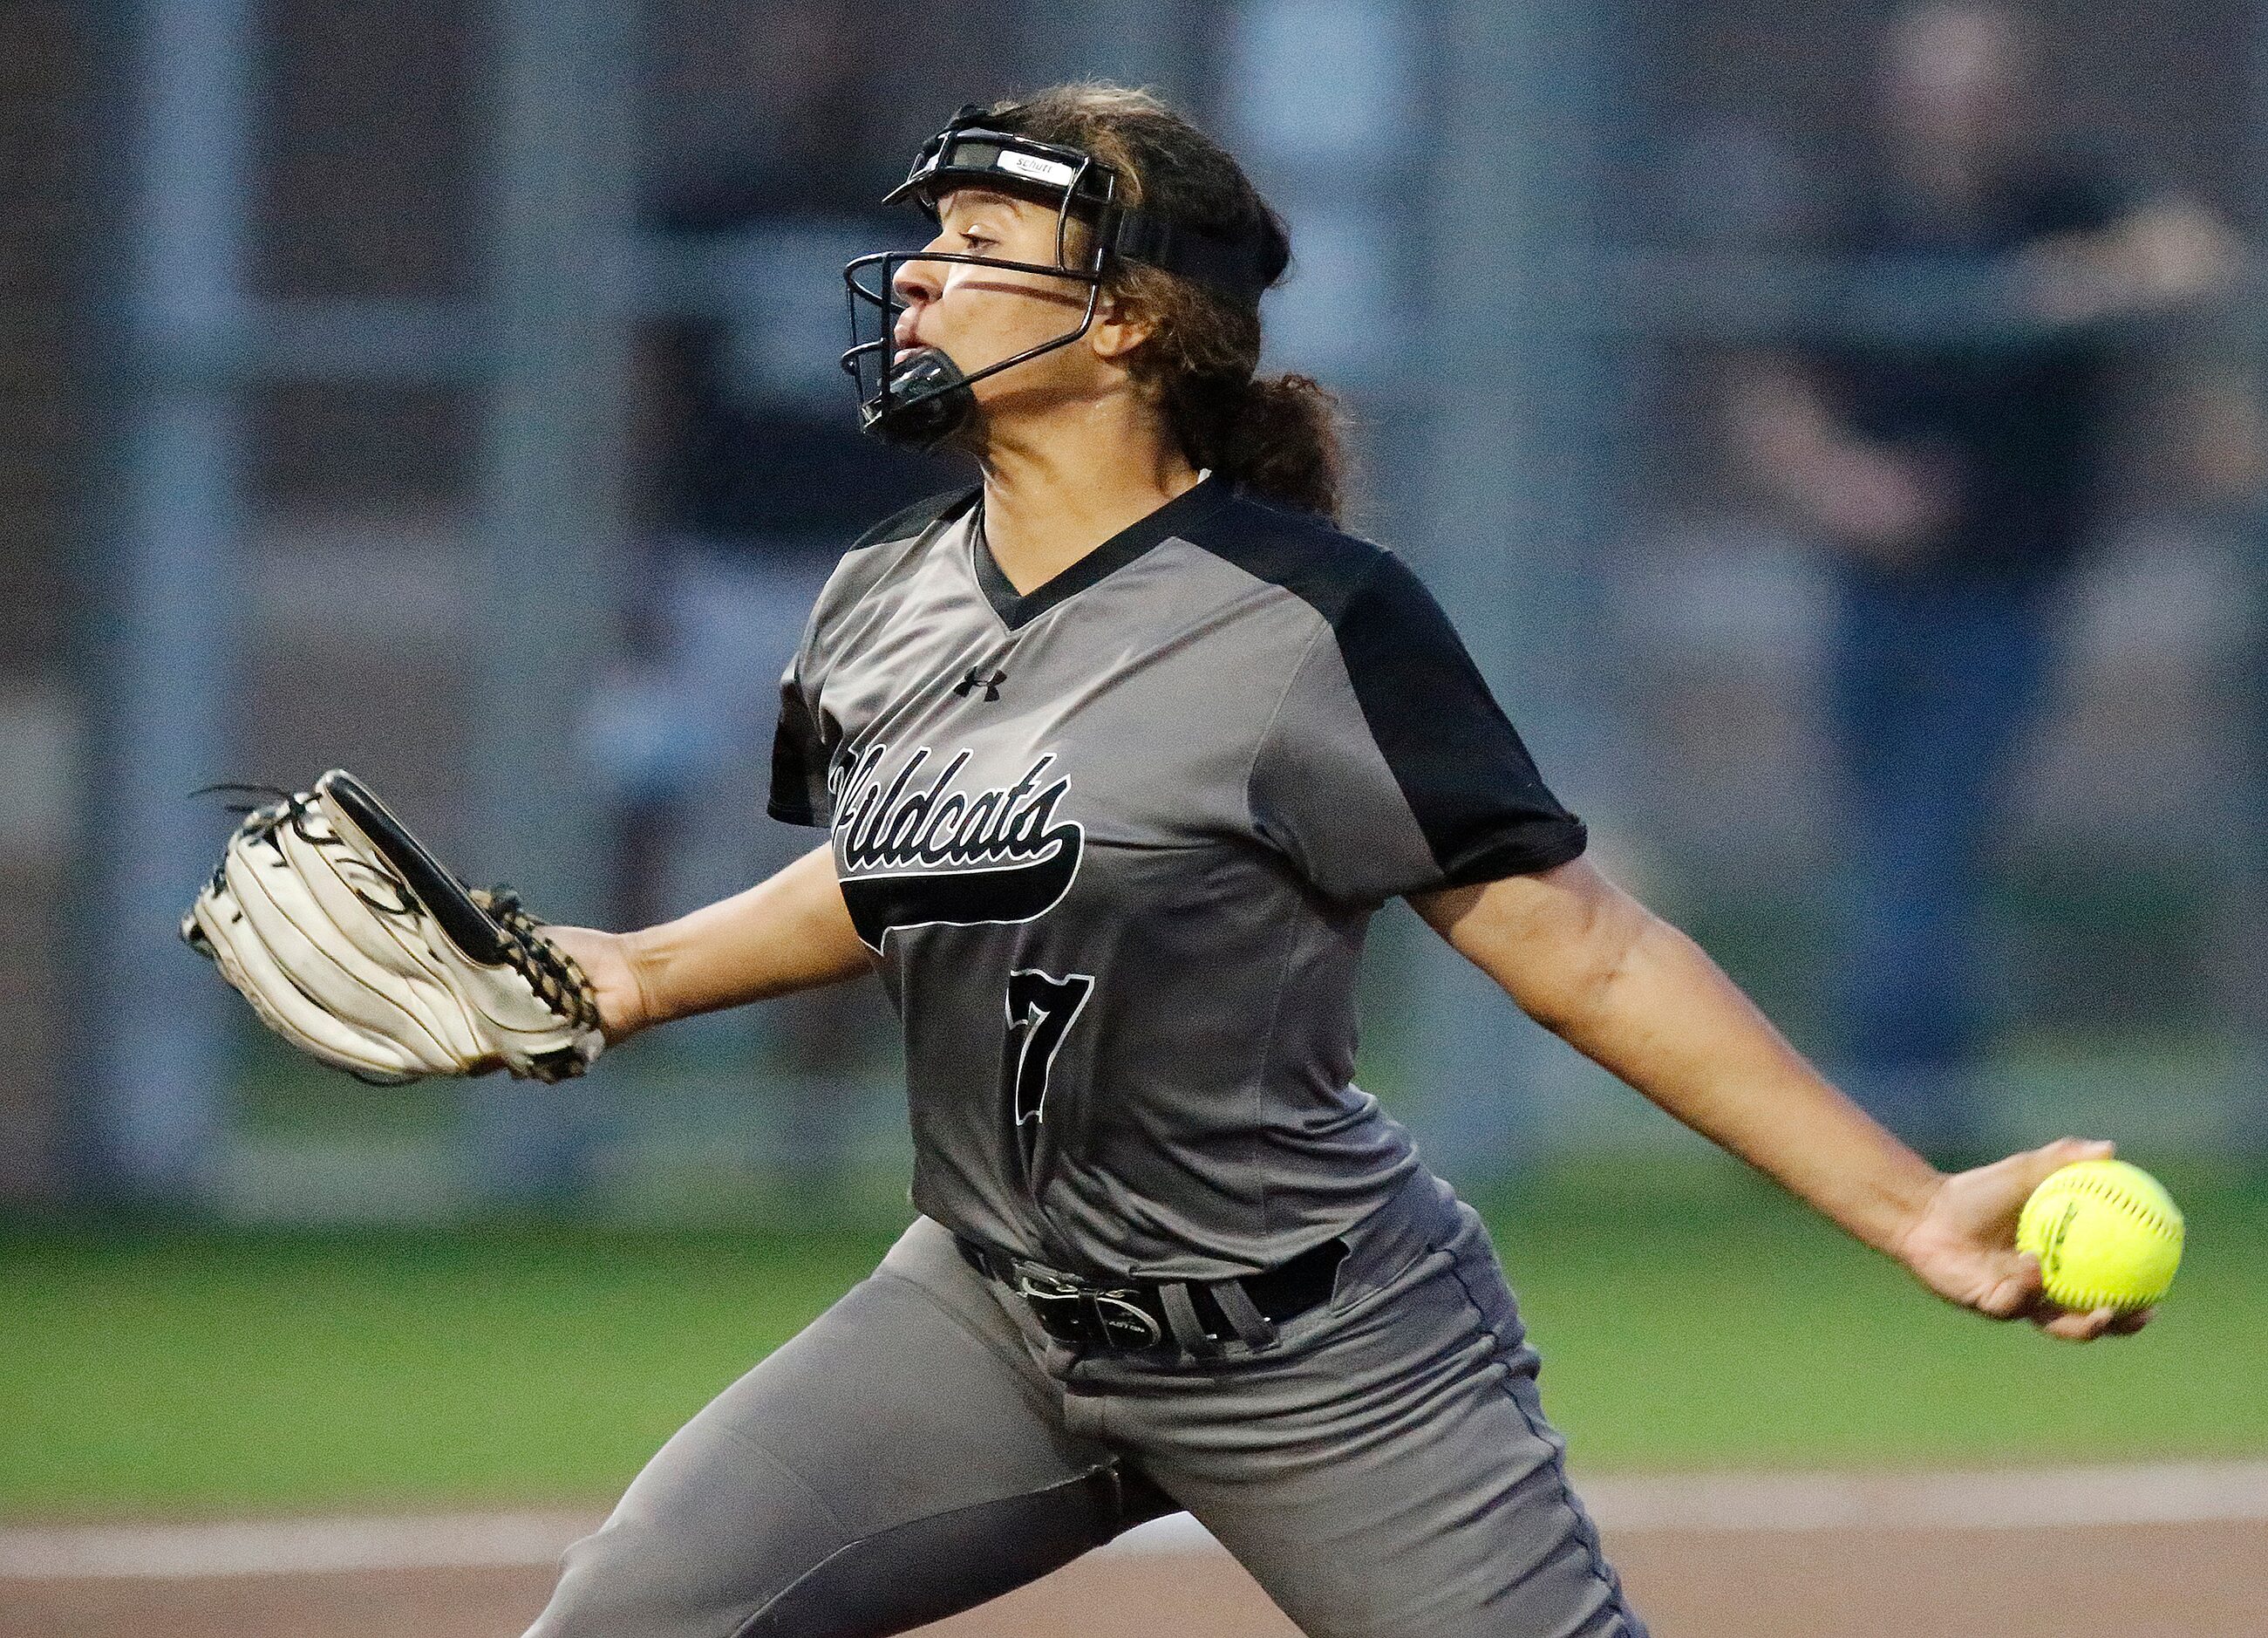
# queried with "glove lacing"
point(559, 979)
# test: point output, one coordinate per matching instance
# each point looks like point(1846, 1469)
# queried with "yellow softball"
point(2107, 1234)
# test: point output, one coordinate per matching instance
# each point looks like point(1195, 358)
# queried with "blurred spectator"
point(2228, 467)
point(1949, 469)
point(759, 479)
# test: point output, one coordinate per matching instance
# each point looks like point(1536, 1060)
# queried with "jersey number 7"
point(1041, 1009)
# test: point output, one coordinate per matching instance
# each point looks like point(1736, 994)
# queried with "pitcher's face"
point(979, 315)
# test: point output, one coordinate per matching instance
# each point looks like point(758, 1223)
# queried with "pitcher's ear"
point(1120, 327)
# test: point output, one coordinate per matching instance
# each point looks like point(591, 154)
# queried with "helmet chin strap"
point(929, 400)
point(929, 397)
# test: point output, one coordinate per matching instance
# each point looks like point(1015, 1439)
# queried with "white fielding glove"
point(355, 945)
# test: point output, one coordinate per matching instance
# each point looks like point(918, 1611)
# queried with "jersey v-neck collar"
point(1018, 609)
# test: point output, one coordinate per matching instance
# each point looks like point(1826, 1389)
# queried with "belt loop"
point(1182, 1315)
point(1253, 1327)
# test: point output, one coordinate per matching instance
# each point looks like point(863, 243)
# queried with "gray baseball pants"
point(1382, 1469)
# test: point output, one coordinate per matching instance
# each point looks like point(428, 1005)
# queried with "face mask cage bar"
point(890, 389)
point(921, 398)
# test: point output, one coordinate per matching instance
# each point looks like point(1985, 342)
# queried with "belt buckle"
point(1055, 1303)
point(1089, 1313)
point(1125, 1322)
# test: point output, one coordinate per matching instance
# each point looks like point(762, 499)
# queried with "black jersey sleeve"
point(807, 739)
point(801, 752)
point(1388, 768)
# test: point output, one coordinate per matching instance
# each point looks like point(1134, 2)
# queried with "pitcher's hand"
point(1964, 1245)
point(605, 958)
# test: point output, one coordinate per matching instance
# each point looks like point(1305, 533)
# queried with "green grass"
point(203, 1372)
point(1688, 1316)
point(1750, 1333)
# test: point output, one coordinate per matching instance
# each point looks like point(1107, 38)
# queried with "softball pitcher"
point(1119, 751)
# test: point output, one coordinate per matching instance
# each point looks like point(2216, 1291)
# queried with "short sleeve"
point(1388, 768)
point(801, 753)
point(807, 738)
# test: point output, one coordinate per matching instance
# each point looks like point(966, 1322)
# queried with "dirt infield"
point(2148, 1581)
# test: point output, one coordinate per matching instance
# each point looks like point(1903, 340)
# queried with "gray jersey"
point(1116, 844)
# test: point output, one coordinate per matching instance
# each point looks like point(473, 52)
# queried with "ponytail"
point(1278, 436)
point(1282, 444)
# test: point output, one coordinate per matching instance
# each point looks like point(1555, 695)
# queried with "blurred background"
point(1837, 428)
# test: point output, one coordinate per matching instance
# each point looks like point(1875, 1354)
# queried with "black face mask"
point(925, 402)
point(923, 398)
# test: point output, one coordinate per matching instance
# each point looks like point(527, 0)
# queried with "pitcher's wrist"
point(642, 960)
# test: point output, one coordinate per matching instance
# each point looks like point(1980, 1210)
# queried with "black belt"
point(1199, 1315)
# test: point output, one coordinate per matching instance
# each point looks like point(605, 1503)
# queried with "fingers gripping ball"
point(2107, 1234)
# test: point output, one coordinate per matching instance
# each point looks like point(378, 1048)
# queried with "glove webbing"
point(559, 979)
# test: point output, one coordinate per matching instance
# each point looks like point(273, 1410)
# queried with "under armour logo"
point(976, 679)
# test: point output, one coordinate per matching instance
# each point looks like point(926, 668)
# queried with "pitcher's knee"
point(626, 1582)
